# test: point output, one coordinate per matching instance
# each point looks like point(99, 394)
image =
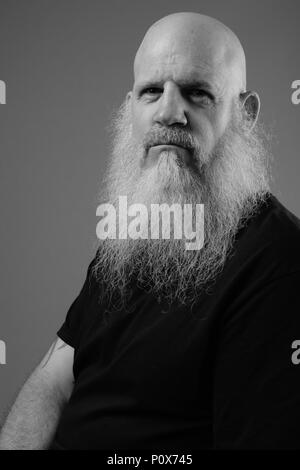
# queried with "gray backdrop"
point(67, 65)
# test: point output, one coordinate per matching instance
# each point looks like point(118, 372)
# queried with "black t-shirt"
point(219, 375)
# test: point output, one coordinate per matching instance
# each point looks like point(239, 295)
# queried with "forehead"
point(184, 60)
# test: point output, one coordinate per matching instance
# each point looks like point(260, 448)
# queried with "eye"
point(151, 91)
point(199, 95)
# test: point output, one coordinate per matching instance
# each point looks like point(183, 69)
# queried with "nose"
point(171, 107)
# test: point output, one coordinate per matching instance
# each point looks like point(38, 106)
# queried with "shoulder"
point(271, 240)
point(260, 282)
point(278, 220)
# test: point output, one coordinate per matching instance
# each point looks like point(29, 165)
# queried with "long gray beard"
point(231, 183)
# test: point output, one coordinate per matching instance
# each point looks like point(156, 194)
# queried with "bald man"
point(168, 348)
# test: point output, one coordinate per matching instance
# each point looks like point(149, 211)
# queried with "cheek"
point(205, 135)
point(141, 122)
point(210, 130)
point(137, 128)
point(222, 119)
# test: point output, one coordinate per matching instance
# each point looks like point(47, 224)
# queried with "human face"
point(181, 85)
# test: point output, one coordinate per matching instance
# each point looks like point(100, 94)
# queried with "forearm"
point(33, 419)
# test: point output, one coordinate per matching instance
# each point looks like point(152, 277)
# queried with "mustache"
point(158, 135)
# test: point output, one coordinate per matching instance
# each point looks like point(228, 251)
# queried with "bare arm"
point(33, 419)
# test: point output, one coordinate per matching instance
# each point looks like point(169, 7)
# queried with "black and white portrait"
point(150, 225)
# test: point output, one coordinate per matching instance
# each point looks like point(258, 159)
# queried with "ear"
point(251, 104)
point(128, 96)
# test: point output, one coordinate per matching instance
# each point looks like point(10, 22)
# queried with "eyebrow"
point(193, 83)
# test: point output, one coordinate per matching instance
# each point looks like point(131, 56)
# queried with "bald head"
point(201, 40)
point(190, 71)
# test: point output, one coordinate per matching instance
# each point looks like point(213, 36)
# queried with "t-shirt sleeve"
point(257, 381)
point(70, 330)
